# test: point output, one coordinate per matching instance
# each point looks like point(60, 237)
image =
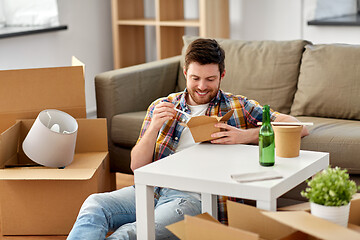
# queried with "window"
point(28, 13)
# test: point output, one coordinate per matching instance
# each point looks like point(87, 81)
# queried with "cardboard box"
point(201, 127)
point(249, 223)
point(26, 92)
point(46, 201)
point(204, 226)
point(37, 201)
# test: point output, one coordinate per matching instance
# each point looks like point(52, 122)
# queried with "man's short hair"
point(205, 51)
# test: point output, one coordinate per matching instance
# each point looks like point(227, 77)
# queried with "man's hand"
point(143, 151)
point(233, 135)
point(287, 118)
point(163, 111)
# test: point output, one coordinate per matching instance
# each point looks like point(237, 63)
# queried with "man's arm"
point(288, 118)
point(143, 151)
point(234, 135)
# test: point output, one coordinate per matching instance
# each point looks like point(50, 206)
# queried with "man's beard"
point(203, 100)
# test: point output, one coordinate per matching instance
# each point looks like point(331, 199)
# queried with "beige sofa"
point(316, 83)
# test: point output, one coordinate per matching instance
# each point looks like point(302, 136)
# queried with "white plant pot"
point(338, 215)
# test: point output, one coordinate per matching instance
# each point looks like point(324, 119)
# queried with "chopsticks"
point(180, 111)
point(289, 123)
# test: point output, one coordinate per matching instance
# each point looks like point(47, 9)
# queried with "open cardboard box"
point(46, 201)
point(201, 127)
point(249, 223)
point(26, 92)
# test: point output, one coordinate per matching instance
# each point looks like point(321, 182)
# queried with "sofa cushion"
point(329, 82)
point(338, 137)
point(125, 128)
point(266, 71)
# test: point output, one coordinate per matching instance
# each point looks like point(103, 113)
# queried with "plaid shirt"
point(247, 113)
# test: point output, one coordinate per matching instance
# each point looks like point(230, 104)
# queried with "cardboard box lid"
point(305, 206)
point(204, 226)
point(26, 92)
point(201, 127)
point(247, 222)
point(178, 228)
point(312, 225)
point(91, 149)
point(201, 120)
point(255, 221)
point(307, 223)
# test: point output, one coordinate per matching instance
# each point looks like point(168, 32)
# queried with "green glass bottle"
point(266, 140)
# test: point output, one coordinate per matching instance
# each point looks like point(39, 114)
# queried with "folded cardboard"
point(26, 92)
point(46, 201)
point(201, 127)
point(204, 226)
point(247, 222)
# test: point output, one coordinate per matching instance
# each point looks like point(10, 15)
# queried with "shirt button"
point(176, 138)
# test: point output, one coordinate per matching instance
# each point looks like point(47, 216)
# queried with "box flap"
point(226, 117)
point(201, 120)
point(255, 222)
point(197, 228)
point(76, 62)
point(354, 216)
point(82, 168)
point(354, 227)
point(178, 228)
point(9, 144)
point(312, 225)
point(298, 236)
point(26, 92)
point(305, 206)
point(92, 135)
point(204, 226)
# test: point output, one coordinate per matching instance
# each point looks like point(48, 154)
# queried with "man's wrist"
point(152, 130)
point(254, 136)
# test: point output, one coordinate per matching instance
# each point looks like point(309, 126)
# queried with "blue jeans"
point(115, 211)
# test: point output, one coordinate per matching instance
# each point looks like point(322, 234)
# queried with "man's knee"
point(92, 204)
point(94, 199)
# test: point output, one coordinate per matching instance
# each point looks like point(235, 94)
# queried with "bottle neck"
point(266, 115)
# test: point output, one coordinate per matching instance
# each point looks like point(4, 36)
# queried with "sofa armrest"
point(134, 88)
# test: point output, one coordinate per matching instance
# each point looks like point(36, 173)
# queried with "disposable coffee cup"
point(287, 141)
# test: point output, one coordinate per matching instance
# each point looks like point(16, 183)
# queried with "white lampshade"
point(51, 139)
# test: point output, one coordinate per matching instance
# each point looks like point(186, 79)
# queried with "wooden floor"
point(122, 180)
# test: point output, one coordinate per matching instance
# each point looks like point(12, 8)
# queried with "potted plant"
point(330, 193)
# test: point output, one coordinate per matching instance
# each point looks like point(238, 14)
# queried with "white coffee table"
point(206, 168)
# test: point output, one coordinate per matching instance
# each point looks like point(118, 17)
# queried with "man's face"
point(202, 82)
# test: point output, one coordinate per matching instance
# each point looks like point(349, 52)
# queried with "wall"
point(265, 20)
point(329, 34)
point(284, 20)
point(89, 34)
point(88, 37)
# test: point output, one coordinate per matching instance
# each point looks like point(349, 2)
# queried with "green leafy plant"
point(331, 187)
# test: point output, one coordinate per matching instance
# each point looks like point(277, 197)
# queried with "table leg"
point(209, 204)
point(267, 205)
point(145, 218)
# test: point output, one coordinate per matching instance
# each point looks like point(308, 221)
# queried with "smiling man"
point(162, 135)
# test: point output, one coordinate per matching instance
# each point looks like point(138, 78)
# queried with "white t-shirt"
point(186, 139)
